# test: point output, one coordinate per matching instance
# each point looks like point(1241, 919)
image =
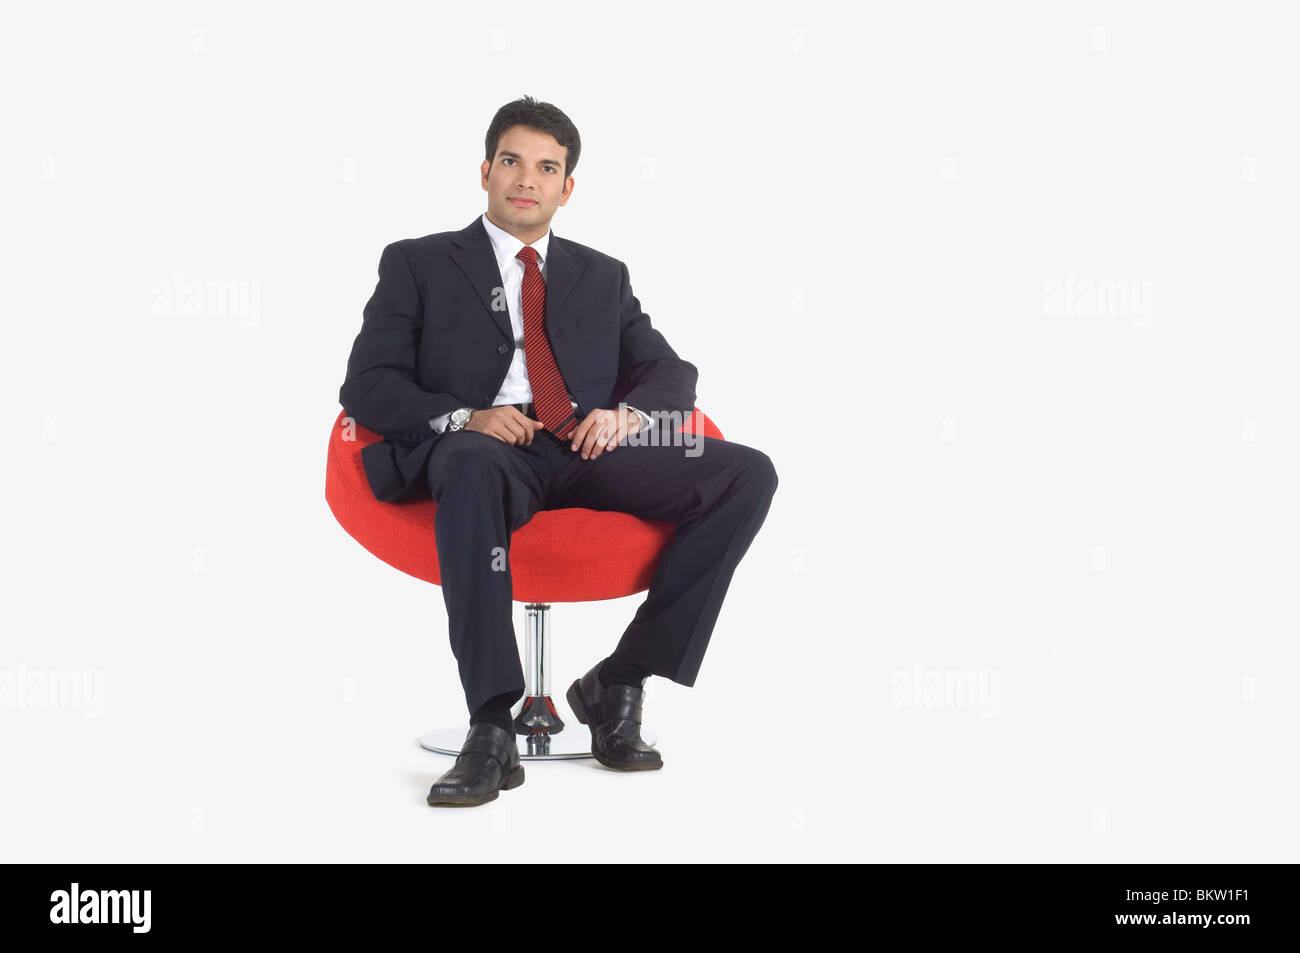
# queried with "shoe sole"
point(574, 697)
point(512, 780)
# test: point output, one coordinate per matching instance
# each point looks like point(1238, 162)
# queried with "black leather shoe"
point(487, 764)
point(613, 713)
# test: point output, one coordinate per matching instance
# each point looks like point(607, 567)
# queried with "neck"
point(527, 237)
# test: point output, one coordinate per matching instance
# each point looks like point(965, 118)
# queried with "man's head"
point(531, 150)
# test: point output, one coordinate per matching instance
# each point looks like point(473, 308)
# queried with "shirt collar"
point(507, 246)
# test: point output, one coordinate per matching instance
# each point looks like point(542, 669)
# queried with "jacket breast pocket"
point(598, 331)
point(596, 319)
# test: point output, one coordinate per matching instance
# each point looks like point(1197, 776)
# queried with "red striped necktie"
point(550, 395)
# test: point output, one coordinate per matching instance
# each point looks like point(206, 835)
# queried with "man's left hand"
point(603, 430)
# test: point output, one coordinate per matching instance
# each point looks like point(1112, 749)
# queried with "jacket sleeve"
point(658, 379)
point(382, 390)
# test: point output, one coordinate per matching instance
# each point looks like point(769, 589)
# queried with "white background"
point(855, 221)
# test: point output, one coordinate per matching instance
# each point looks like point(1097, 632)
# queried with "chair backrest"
point(700, 422)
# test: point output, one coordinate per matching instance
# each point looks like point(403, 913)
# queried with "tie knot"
point(528, 254)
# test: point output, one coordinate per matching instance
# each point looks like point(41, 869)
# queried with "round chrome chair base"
point(574, 741)
point(536, 717)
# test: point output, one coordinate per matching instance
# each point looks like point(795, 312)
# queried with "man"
point(489, 359)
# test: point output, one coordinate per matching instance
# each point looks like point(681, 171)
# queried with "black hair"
point(543, 117)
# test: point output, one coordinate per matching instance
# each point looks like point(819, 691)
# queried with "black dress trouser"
point(717, 492)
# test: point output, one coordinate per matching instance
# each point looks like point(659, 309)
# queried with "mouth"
point(522, 203)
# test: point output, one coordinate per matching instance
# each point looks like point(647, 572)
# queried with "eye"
point(549, 168)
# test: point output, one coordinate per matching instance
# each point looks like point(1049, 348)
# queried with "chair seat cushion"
point(563, 555)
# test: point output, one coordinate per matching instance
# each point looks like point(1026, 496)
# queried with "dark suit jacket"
point(430, 342)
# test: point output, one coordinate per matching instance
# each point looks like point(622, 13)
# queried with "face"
point(528, 165)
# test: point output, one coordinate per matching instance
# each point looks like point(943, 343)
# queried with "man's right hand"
point(505, 423)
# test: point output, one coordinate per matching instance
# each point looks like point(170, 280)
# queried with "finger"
point(608, 433)
point(514, 426)
point(596, 440)
point(616, 437)
point(624, 430)
point(519, 424)
point(579, 434)
point(589, 441)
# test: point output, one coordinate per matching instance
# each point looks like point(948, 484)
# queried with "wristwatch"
point(459, 418)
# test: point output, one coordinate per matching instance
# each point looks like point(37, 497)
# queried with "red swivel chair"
point(563, 555)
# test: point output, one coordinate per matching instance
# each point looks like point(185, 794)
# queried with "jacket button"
point(503, 348)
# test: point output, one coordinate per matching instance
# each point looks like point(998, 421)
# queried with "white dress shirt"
point(515, 388)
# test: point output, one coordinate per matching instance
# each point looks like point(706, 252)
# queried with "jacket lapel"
point(473, 254)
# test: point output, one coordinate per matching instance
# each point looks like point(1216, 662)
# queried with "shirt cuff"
point(649, 421)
